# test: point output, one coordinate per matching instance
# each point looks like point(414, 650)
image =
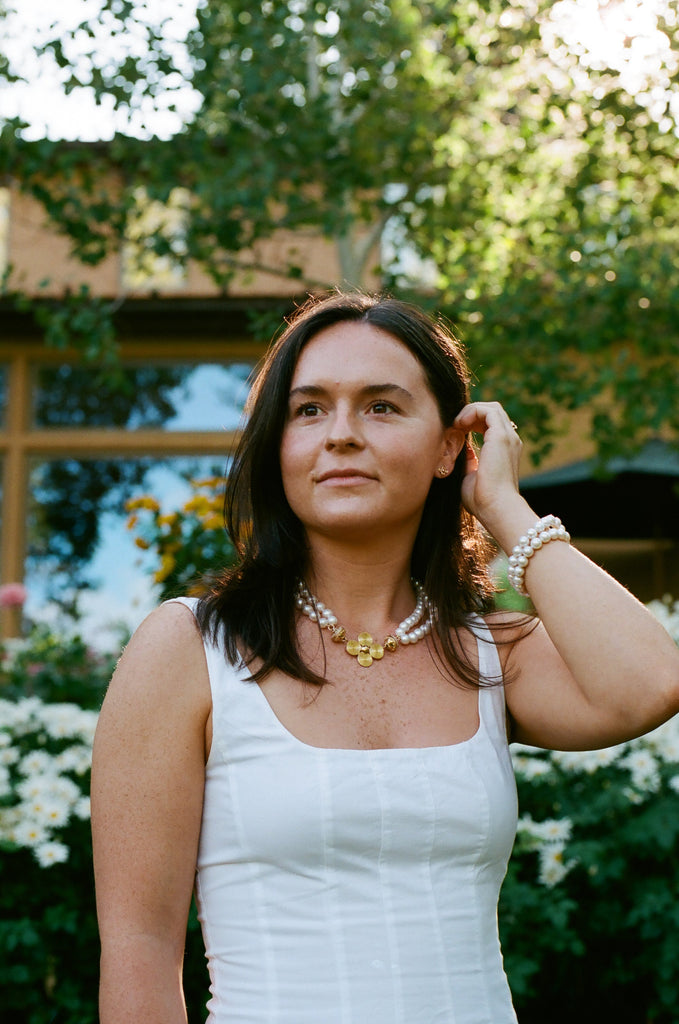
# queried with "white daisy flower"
point(9, 755)
point(51, 853)
point(5, 781)
point(29, 832)
point(643, 767)
point(82, 808)
point(552, 866)
point(38, 762)
point(530, 767)
point(77, 758)
point(36, 785)
point(54, 812)
point(555, 830)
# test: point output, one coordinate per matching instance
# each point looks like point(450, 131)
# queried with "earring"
point(443, 471)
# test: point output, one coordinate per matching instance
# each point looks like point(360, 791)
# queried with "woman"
point(341, 782)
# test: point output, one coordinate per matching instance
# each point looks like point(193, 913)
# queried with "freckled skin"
point(378, 419)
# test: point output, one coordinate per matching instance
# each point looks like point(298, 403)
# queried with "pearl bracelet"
point(546, 529)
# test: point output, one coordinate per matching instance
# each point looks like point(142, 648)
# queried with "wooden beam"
point(82, 443)
point(14, 488)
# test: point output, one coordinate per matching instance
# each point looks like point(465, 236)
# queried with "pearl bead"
point(416, 626)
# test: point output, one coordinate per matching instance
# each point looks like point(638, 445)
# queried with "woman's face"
point(363, 438)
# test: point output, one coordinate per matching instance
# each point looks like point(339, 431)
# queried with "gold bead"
point(353, 647)
point(365, 659)
point(339, 635)
point(376, 651)
point(390, 643)
point(365, 638)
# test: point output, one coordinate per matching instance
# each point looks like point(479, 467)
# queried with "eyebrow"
point(316, 391)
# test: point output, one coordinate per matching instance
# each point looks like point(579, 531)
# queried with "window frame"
point(21, 441)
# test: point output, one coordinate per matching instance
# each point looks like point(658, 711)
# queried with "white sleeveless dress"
point(352, 886)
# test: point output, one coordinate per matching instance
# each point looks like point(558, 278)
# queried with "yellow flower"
point(210, 481)
point(212, 522)
point(146, 501)
point(167, 564)
point(199, 503)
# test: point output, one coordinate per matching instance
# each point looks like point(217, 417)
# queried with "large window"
point(74, 447)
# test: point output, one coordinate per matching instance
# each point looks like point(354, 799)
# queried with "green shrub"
point(589, 911)
point(49, 946)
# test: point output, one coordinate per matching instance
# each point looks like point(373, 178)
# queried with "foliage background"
point(481, 156)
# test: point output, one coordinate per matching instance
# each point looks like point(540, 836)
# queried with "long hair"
point(253, 603)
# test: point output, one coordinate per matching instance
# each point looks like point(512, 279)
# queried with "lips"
point(338, 475)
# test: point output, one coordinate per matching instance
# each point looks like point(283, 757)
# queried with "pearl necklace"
point(415, 627)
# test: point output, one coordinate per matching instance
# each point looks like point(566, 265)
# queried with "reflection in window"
point(173, 396)
point(83, 562)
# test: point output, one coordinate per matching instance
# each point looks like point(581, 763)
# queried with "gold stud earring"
point(443, 471)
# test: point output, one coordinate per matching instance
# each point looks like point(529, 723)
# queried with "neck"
point(363, 592)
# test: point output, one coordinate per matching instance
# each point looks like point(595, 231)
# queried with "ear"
point(453, 442)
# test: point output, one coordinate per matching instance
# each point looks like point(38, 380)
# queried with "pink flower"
point(12, 595)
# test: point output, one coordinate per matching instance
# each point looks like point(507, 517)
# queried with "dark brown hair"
point(254, 601)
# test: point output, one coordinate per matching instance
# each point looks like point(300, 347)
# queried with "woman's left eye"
point(382, 407)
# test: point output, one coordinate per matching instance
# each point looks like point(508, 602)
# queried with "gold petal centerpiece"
point(365, 650)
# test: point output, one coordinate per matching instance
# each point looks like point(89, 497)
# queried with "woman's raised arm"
point(147, 793)
point(599, 668)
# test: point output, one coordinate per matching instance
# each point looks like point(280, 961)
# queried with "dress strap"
point(492, 707)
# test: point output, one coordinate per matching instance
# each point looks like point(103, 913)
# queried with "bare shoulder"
point(164, 661)
point(170, 627)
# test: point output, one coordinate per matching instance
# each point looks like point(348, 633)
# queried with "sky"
point(41, 100)
point(622, 34)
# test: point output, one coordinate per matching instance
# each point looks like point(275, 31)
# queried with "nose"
point(343, 431)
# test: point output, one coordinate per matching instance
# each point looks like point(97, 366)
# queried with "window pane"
point(82, 557)
point(172, 396)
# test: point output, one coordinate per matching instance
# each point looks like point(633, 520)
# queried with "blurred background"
point(176, 175)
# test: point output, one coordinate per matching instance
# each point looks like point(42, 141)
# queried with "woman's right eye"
point(307, 410)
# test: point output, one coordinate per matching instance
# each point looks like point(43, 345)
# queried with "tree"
point(535, 198)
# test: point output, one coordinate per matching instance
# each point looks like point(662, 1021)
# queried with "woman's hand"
point(492, 478)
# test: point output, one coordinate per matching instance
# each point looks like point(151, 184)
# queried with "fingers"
point(479, 417)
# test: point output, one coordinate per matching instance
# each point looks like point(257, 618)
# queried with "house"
point(72, 451)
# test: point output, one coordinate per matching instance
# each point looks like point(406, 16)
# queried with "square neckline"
point(241, 668)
